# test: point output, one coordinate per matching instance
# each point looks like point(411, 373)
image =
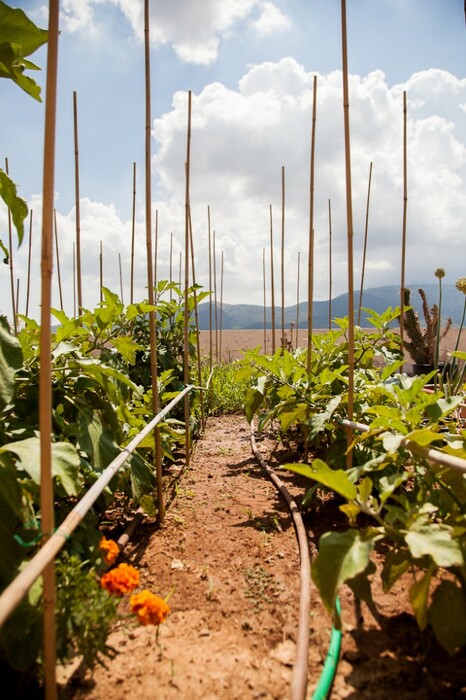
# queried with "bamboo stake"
point(221, 308)
point(29, 263)
point(150, 280)
point(283, 258)
point(171, 265)
point(196, 316)
point(78, 206)
point(45, 372)
point(17, 298)
point(156, 245)
point(186, 281)
point(405, 211)
point(74, 280)
point(265, 302)
point(272, 282)
point(133, 232)
point(365, 244)
point(310, 277)
point(330, 265)
point(57, 252)
point(349, 221)
point(10, 260)
point(215, 296)
point(101, 272)
point(297, 300)
point(121, 278)
point(210, 288)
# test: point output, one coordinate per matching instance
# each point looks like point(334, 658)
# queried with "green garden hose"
point(331, 662)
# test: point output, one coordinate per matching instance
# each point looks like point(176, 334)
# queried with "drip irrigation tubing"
point(300, 667)
point(331, 662)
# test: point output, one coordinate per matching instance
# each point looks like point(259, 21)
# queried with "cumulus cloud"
point(241, 139)
point(194, 29)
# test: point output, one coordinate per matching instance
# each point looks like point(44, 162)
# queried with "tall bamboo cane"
point(283, 343)
point(310, 276)
point(186, 281)
point(150, 280)
point(272, 282)
point(45, 372)
point(329, 265)
point(57, 252)
point(196, 316)
point(101, 272)
point(221, 307)
point(365, 244)
point(349, 222)
point(10, 262)
point(297, 299)
point(156, 245)
point(74, 279)
point(121, 278)
point(210, 288)
point(133, 231)
point(405, 213)
point(170, 277)
point(78, 206)
point(28, 288)
point(215, 295)
point(265, 302)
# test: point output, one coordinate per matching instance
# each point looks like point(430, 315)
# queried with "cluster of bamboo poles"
point(49, 231)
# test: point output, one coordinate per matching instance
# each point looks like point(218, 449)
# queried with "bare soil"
point(228, 553)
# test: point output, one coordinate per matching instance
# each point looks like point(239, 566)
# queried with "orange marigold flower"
point(149, 608)
point(109, 549)
point(123, 579)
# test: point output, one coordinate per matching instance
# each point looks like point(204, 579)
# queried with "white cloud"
point(271, 20)
point(195, 29)
point(242, 137)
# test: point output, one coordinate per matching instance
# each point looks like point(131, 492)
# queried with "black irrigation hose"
point(299, 680)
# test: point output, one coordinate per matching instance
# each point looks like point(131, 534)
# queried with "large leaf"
point(65, 462)
point(19, 37)
point(342, 556)
point(127, 348)
point(15, 204)
point(447, 615)
point(335, 479)
point(11, 358)
point(435, 540)
point(418, 595)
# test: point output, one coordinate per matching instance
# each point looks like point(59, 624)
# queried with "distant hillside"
point(249, 316)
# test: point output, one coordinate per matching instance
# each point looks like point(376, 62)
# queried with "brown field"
point(232, 343)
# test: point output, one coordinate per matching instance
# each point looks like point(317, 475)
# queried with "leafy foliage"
point(390, 494)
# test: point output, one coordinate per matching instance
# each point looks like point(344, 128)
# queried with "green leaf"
point(435, 540)
point(65, 462)
point(335, 479)
point(342, 556)
point(19, 37)
point(396, 563)
point(11, 359)
point(447, 615)
point(15, 204)
point(442, 407)
point(418, 595)
point(127, 348)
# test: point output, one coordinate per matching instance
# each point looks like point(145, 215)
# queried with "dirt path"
point(229, 552)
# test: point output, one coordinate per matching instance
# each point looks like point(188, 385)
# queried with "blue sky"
point(250, 65)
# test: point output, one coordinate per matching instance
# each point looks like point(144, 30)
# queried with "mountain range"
point(250, 316)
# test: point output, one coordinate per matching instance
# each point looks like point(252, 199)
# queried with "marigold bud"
point(440, 272)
